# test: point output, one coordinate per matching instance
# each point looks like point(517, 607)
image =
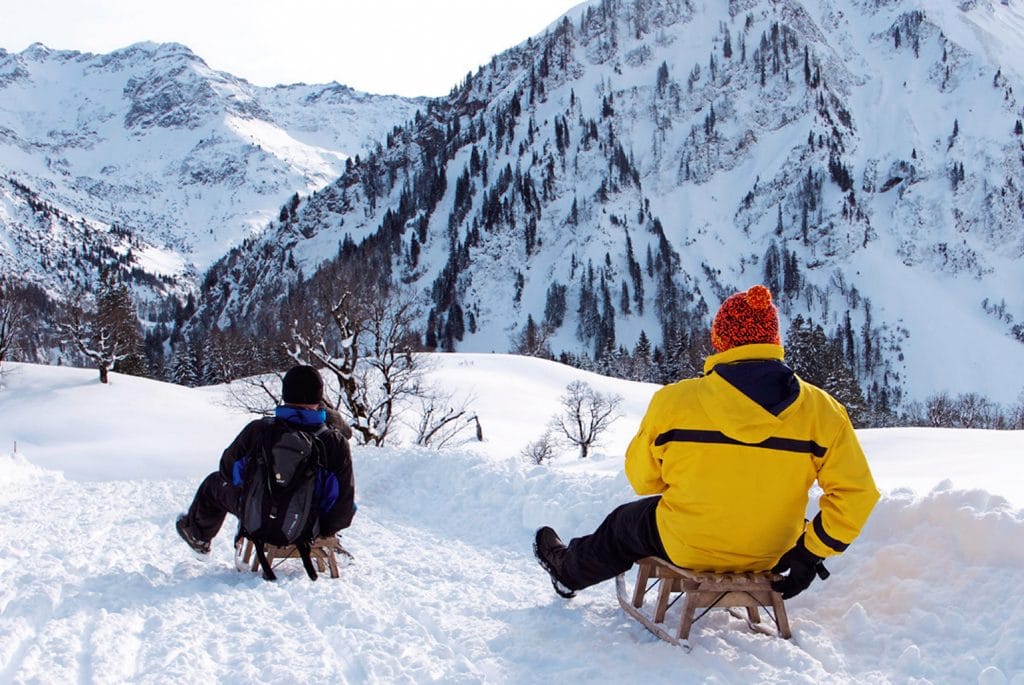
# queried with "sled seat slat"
point(706, 590)
point(322, 552)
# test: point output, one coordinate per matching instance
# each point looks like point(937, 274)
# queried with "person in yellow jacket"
point(729, 458)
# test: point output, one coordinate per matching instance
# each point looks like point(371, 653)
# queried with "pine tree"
point(554, 307)
point(820, 361)
point(109, 336)
point(773, 269)
point(662, 82)
point(642, 360)
point(116, 314)
point(606, 328)
point(790, 274)
point(587, 317)
point(184, 370)
point(455, 327)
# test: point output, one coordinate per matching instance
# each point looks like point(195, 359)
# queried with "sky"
point(404, 47)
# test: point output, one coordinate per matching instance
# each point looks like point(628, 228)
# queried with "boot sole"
point(561, 589)
point(199, 552)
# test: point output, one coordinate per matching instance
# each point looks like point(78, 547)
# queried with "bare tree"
point(976, 411)
point(1015, 418)
point(256, 394)
point(108, 334)
point(540, 450)
point(533, 341)
point(939, 410)
point(371, 354)
point(98, 345)
point(586, 414)
point(443, 420)
point(13, 320)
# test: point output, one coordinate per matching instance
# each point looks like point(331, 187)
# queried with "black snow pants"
point(626, 535)
point(215, 499)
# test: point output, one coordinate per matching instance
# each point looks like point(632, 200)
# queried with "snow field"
point(98, 588)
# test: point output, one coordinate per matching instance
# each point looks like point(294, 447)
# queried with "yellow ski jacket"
point(734, 478)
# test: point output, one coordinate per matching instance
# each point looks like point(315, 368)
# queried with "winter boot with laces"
point(550, 552)
point(201, 547)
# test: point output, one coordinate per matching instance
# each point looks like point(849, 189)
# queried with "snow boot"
point(550, 553)
point(201, 547)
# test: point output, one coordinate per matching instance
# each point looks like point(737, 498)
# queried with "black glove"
point(802, 565)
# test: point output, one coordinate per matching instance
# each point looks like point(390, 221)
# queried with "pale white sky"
point(408, 47)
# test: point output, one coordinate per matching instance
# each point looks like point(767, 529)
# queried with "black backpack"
point(280, 495)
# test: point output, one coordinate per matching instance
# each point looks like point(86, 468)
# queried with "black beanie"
point(302, 385)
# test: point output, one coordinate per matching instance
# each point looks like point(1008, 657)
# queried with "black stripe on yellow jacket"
point(784, 444)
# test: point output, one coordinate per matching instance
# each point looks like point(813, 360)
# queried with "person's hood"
point(747, 391)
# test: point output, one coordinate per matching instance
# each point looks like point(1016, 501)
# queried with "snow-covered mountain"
point(642, 159)
point(148, 157)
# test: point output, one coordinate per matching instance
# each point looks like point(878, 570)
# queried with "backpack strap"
point(307, 562)
point(319, 450)
point(302, 547)
point(261, 555)
point(269, 422)
point(304, 554)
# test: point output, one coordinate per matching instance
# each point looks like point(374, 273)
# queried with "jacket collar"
point(307, 418)
point(744, 353)
point(730, 410)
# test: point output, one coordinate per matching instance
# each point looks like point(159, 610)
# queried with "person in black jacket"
point(302, 408)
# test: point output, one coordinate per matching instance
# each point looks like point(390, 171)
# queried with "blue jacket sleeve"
point(341, 484)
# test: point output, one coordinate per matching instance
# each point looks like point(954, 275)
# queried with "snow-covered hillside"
point(640, 160)
point(151, 144)
point(98, 588)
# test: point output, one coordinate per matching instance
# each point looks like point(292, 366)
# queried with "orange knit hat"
point(746, 319)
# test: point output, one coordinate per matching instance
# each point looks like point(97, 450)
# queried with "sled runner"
point(701, 590)
point(322, 551)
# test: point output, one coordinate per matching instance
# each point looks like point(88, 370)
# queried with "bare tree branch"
point(370, 353)
point(443, 421)
point(256, 394)
point(540, 450)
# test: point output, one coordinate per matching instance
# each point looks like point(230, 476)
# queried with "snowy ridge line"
point(186, 161)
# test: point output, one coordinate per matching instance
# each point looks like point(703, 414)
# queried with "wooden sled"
point(702, 590)
point(323, 552)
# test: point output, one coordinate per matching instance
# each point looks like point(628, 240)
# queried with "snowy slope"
point(444, 588)
point(149, 138)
